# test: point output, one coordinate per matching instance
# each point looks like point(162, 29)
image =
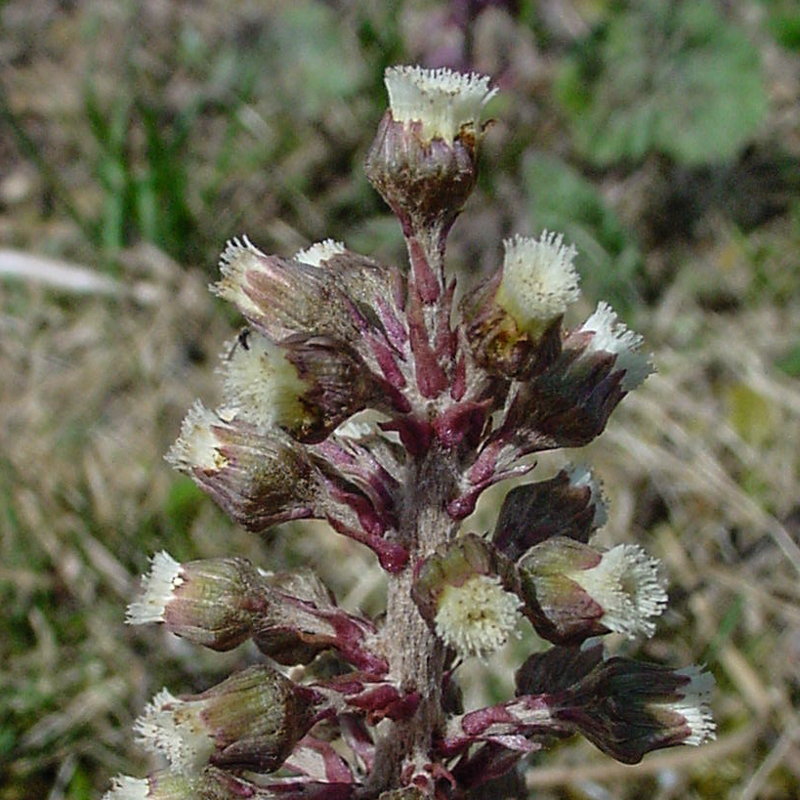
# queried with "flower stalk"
point(461, 396)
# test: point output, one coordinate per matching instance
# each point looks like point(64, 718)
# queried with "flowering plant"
point(463, 392)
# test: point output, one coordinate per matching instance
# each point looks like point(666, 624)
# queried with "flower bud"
point(628, 708)
point(573, 591)
point(251, 720)
point(215, 602)
point(460, 591)
point(423, 159)
point(514, 317)
point(570, 504)
point(260, 477)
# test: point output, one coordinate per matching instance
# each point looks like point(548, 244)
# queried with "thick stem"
point(415, 654)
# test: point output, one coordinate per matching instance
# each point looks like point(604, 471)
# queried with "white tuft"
point(239, 256)
point(694, 705)
point(477, 617)
point(174, 728)
point(580, 475)
point(627, 585)
point(319, 253)
point(197, 446)
point(539, 279)
point(260, 385)
point(124, 787)
point(158, 588)
point(442, 100)
point(611, 336)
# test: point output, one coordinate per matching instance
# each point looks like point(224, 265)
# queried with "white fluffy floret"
point(158, 588)
point(317, 254)
point(694, 705)
point(539, 279)
point(611, 336)
point(173, 728)
point(442, 100)
point(124, 787)
point(580, 475)
point(239, 256)
point(260, 384)
point(627, 585)
point(477, 617)
point(197, 446)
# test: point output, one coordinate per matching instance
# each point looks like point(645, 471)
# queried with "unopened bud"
point(423, 158)
point(251, 720)
point(466, 600)
point(214, 602)
point(569, 504)
point(574, 591)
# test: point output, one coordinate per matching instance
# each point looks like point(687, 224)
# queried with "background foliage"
point(662, 137)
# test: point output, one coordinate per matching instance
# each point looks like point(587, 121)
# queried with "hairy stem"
point(415, 654)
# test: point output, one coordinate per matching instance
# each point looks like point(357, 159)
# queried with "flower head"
point(539, 280)
point(198, 446)
point(441, 100)
point(259, 476)
point(216, 602)
point(463, 591)
point(629, 708)
point(423, 159)
point(476, 617)
point(158, 588)
point(284, 297)
point(574, 591)
point(627, 585)
point(251, 720)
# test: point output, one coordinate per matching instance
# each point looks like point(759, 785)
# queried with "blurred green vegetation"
point(661, 137)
